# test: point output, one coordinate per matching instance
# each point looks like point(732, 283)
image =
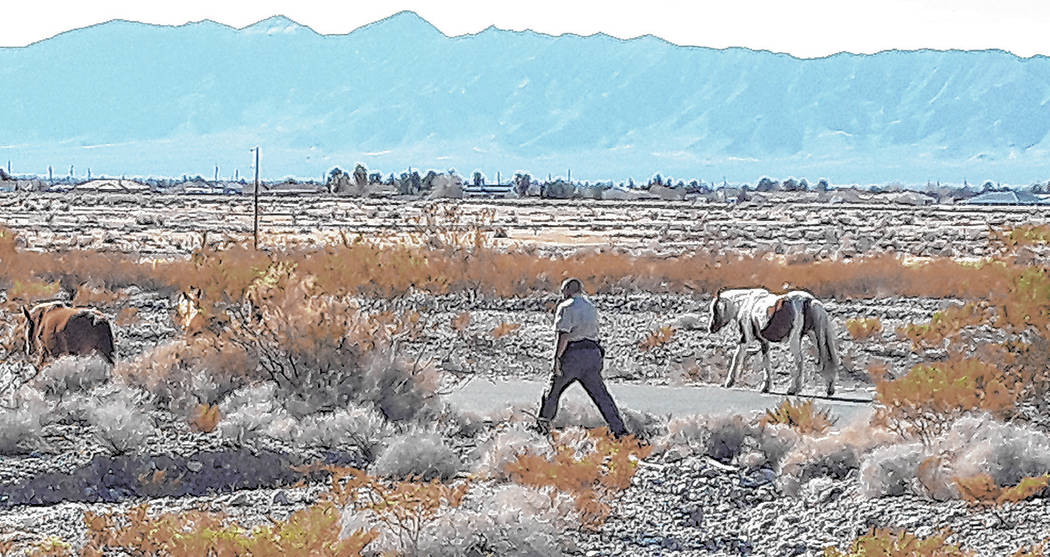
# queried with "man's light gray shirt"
point(578, 318)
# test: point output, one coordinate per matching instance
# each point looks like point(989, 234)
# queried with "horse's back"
point(76, 331)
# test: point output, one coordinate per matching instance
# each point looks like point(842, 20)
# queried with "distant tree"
point(790, 184)
point(803, 185)
point(656, 181)
point(478, 178)
point(360, 175)
point(375, 178)
point(766, 184)
point(822, 185)
point(428, 180)
point(522, 181)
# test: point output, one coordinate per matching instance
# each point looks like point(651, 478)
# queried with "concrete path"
point(484, 395)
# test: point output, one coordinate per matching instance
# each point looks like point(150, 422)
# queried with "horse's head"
point(32, 323)
point(719, 314)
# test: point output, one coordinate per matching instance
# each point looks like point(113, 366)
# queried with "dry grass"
point(925, 402)
point(983, 490)
point(885, 543)
point(864, 328)
point(803, 417)
point(657, 338)
point(594, 476)
point(205, 418)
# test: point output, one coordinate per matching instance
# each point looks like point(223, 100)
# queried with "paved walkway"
point(485, 395)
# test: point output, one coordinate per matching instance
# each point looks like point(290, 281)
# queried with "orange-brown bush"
point(594, 477)
point(404, 507)
point(504, 329)
point(885, 543)
point(127, 317)
point(96, 296)
point(311, 531)
point(803, 417)
point(944, 325)
point(983, 490)
point(50, 547)
point(656, 338)
point(1034, 551)
point(864, 328)
point(926, 401)
point(205, 418)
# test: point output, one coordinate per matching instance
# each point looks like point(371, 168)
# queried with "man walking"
point(578, 357)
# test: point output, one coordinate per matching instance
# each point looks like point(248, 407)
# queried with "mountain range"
point(138, 99)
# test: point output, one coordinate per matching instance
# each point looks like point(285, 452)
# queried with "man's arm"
point(559, 349)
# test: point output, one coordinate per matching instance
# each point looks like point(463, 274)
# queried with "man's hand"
point(557, 366)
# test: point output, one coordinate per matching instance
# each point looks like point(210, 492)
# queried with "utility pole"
point(50, 175)
point(216, 174)
point(70, 171)
point(570, 176)
point(255, 228)
point(499, 179)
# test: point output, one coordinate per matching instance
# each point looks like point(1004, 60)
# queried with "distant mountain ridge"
point(138, 99)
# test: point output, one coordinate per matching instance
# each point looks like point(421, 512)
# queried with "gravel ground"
point(698, 506)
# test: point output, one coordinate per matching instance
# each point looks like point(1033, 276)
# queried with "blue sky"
point(805, 28)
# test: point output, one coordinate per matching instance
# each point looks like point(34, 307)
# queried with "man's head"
point(571, 287)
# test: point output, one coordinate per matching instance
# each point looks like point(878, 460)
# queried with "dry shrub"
point(50, 547)
point(421, 455)
point(403, 509)
point(880, 542)
point(70, 374)
point(512, 521)
point(983, 490)
point(127, 317)
point(94, 295)
point(362, 427)
point(498, 453)
point(944, 325)
point(1018, 236)
point(255, 411)
point(31, 291)
point(460, 322)
point(188, 371)
point(975, 446)
point(20, 427)
point(323, 352)
point(803, 417)
point(205, 418)
point(595, 475)
point(504, 329)
point(864, 328)
point(925, 402)
point(310, 531)
point(833, 455)
point(122, 421)
point(656, 338)
point(722, 437)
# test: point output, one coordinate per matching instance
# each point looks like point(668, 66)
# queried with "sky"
point(804, 28)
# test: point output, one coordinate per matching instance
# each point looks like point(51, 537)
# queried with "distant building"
point(1008, 197)
point(108, 185)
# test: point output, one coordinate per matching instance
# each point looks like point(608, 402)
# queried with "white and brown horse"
point(766, 317)
point(54, 329)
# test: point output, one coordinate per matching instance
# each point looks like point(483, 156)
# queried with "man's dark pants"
point(582, 361)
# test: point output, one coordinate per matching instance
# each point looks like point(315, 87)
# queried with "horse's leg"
point(769, 368)
point(796, 353)
point(738, 360)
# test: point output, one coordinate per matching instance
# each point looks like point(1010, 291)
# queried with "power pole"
point(570, 176)
point(499, 179)
point(255, 229)
point(50, 175)
point(216, 174)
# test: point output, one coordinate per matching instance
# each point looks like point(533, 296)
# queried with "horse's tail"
point(106, 347)
point(827, 347)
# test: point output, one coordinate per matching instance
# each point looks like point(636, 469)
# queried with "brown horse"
point(55, 329)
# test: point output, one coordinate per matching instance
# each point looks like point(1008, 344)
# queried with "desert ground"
point(187, 424)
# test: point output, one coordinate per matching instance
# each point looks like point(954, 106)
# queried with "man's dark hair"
point(572, 285)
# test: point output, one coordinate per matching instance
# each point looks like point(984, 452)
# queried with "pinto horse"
point(766, 317)
point(54, 329)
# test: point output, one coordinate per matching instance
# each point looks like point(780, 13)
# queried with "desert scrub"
point(420, 455)
point(867, 328)
point(925, 402)
point(881, 542)
point(944, 325)
point(803, 417)
point(594, 471)
point(310, 531)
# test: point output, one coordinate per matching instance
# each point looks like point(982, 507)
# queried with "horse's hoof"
point(728, 384)
point(794, 390)
point(766, 389)
point(831, 391)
